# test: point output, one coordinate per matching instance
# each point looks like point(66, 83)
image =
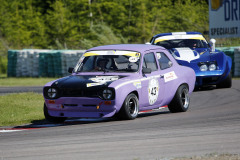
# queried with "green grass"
point(8, 82)
point(213, 156)
point(22, 108)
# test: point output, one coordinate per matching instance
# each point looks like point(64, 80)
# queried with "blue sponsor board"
point(224, 18)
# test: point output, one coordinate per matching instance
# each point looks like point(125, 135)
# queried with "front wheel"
point(129, 108)
point(180, 101)
point(226, 83)
point(51, 118)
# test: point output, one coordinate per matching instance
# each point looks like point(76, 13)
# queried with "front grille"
point(210, 80)
point(78, 93)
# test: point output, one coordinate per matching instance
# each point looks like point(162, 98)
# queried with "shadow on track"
point(37, 124)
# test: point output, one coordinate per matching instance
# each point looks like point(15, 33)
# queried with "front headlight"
point(52, 93)
point(107, 94)
point(203, 67)
point(212, 67)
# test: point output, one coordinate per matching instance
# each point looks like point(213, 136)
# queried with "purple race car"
point(119, 80)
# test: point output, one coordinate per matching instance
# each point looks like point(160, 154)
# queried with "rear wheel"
point(51, 118)
point(129, 108)
point(181, 100)
point(227, 83)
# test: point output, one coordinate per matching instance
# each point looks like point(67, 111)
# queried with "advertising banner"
point(224, 18)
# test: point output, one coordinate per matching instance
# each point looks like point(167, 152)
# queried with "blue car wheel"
point(227, 83)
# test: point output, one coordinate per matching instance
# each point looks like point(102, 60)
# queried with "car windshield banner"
point(224, 18)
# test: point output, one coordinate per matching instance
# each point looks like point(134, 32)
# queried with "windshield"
point(180, 43)
point(109, 61)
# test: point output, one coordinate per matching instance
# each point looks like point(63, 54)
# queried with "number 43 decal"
point(153, 91)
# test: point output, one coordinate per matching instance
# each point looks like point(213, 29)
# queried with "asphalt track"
point(211, 125)
point(7, 90)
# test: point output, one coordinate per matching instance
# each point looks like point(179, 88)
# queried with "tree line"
point(82, 24)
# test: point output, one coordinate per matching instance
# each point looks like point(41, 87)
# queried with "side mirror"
point(213, 41)
point(70, 70)
point(146, 70)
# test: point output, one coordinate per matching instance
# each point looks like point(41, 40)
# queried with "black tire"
point(227, 83)
point(51, 118)
point(180, 101)
point(129, 109)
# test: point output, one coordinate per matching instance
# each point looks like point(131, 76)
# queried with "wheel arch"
point(184, 83)
point(136, 93)
point(122, 93)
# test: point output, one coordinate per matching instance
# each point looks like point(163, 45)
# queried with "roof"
point(128, 47)
point(175, 33)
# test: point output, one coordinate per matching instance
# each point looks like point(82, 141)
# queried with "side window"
point(163, 60)
point(150, 61)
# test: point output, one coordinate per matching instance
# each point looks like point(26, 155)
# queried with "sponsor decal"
point(100, 80)
point(170, 76)
point(133, 59)
point(224, 18)
point(104, 79)
point(137, 84)
point(93, 84)
point(158, 55)
point(153, 90)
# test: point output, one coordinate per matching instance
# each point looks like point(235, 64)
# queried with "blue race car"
point(212, 67)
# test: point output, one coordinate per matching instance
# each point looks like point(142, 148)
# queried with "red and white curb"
point(8, 130)
point(152, 110)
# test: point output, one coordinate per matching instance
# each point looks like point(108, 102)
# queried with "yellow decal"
point(202, 52)
point(90, 54)
point(111, 52)
point(132, 54)
point(198, 37)
point(216, 4)
point(160, 40)
point(137, 84)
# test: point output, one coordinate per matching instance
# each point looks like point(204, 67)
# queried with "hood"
point(188, 55)
point(85, 82)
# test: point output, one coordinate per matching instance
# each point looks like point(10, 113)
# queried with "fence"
point(41, 63)
point(234, 53)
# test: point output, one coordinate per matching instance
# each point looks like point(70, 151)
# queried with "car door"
point(169, 75)
point(152, 83)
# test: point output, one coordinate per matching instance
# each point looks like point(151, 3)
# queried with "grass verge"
point(9, 82)
point(22, 108)
point(212, 156)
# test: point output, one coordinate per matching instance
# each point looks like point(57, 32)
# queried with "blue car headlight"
point(212, 67)
point(203, 67)
point(207, 66)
